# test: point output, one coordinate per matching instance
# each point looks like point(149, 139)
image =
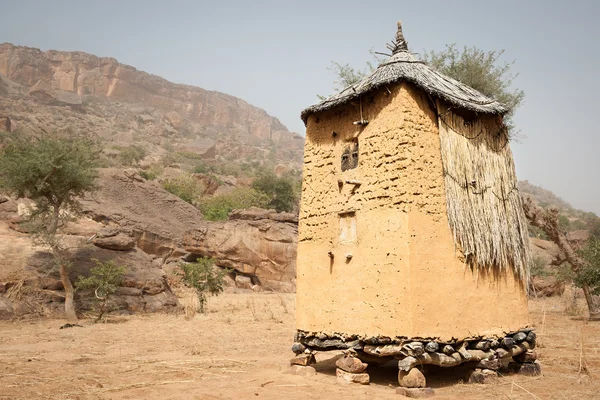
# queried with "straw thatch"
point(403, 66)
point(483, 202)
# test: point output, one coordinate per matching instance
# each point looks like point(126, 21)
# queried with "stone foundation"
point(512, 352)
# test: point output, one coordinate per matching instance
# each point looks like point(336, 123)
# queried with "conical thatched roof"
point(403, 66)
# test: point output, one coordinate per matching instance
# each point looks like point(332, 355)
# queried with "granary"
point(412, 241)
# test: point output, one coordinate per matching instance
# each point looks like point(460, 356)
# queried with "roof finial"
point(399, 44)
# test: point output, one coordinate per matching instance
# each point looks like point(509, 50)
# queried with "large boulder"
point(142, 209)
point(254, 242)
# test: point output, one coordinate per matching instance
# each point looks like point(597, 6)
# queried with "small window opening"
point(350, 157)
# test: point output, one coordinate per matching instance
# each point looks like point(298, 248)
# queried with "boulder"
point(412, 379)
point(345, 378)
point(255, 242)
point(118, 242)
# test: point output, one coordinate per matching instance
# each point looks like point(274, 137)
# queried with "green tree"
point(104, 279)
point(54, 173)
point(589, 273)
point(204, 278)
point(279, 190)
point(482, 70)
point(185, 187)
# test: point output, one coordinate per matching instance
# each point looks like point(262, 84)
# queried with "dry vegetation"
point(240, 350)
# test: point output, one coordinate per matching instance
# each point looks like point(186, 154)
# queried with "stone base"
point(483, 376)
point(346, 378)
point(527, 369)
point(415, 393)
point(412, 379)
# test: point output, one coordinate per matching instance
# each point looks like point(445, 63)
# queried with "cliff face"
point(89, 76)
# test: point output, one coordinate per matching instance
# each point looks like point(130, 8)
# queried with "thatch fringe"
point(484, 206)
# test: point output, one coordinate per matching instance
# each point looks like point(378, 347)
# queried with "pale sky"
point(275, 54)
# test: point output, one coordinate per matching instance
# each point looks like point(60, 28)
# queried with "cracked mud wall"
point(400, 275)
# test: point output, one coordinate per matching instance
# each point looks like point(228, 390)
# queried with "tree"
point(482, 70)
point(584, 265)
point(279, 190)
point(104, 279)
point(54, 173)
point(204, 278)
point(589, 274)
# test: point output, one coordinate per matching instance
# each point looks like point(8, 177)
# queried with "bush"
point(589, 274)
point(131, 155)
point(536, 267)
point(185, 187)
point(151, 173)
point(204, 278)
point(217, 208)
point(280, 191)
point(104, 279)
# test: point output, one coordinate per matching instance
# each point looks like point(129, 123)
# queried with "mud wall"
point(375, 252)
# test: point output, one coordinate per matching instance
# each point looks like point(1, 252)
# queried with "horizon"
point(275, 57)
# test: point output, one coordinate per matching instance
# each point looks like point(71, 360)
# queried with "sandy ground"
point(240, 350)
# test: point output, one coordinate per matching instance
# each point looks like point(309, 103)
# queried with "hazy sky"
point(275, 54)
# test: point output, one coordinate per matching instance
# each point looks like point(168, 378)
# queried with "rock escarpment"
point(79, 79)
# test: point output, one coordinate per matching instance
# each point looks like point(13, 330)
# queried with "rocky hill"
point(56, 90)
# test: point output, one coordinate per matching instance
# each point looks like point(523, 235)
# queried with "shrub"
point(104, 279)
point(217, 208)
point(151, 173)
point(281, 193)
point(185, 187)
point(536, 267)
point(204, 278)
point(131, 155)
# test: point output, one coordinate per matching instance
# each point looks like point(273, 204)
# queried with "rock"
point(527, 357)
point(432, 347)
point(483, 376)
point(351, 364)
point(527, 369)
point(256, 242)
point(531, 336)
point(145, 118)
point(243, 282)
point(44, 92)
point(519, 337)
point(304, 359)
point(346, 378)
point(298, 348)
point(415, 393)
point(507, 343)
point(119, 242)
point(174, 119)
point(303, 371)
point(412, 379)
point(489, 364)
point(546, 286)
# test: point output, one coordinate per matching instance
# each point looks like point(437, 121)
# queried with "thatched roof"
point(404, 66)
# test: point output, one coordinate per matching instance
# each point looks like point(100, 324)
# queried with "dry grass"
point(240, 349)
point(483, 202)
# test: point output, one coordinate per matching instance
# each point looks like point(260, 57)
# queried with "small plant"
point(536, 267)
point(204, 278)
point(217, 208)
point(185, 187)
point(131, 155)
point(104, 279)
point(151, 173)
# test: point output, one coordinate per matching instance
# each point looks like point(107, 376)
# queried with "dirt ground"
point(240, 350)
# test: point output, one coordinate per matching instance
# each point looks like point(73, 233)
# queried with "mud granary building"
point(412, 239)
